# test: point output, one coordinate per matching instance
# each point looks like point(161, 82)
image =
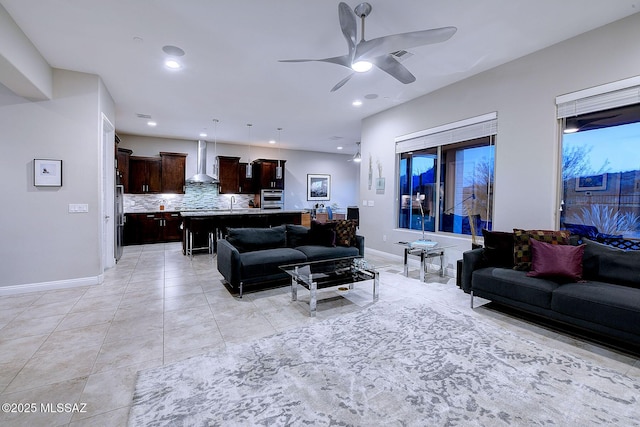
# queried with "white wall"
point(523, 94)
point(42, 244)
point(344, 173)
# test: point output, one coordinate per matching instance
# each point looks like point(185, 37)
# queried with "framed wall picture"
point(47, 173)
point(318, 187)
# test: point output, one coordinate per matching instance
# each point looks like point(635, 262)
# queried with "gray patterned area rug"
point(387, 365)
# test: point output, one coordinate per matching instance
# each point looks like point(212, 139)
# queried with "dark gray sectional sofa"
point(251, 256)
point(606, 301)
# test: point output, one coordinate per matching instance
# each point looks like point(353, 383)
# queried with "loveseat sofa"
point(596, 289)
point(252, 256)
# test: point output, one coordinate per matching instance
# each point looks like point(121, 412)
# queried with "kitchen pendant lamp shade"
point(279, 167)
point(248, 171)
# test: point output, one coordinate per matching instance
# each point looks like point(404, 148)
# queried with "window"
point(601, 171)
point(600, 150)
point(446, 177)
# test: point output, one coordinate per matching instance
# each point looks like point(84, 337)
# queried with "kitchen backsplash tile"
point(197, 196)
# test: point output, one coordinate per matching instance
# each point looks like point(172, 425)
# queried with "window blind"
point(612, 95)
point(476, 127)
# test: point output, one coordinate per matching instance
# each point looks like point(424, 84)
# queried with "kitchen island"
point(206, 226)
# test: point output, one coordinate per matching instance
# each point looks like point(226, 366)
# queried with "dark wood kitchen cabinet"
point(164, 174)
point(246, 184)
point(143, 228)
point(173, 172)
point(145, 175)
point(228, 174)
point(171, 231)
point(264, 174)
point(122, 167)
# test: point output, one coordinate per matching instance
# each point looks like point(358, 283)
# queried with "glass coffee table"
point(315, 275)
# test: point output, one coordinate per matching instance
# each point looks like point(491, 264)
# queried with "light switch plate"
point(78, 207)
point(370, 203)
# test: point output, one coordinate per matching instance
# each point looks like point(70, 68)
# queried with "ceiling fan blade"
point(342, 82)
point(349, 26)
point(368, 49)
point(343, 60)
point(391, 66)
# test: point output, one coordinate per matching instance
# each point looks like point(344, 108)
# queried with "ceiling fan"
point(367, 53)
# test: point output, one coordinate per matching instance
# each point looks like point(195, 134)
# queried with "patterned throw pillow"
point(522, 249)
point(345, 232)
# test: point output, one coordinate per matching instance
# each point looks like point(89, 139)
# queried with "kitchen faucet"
point(232, 200)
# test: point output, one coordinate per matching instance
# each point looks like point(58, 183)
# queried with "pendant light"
point(279, 167)
point(248, 167)
point(216, 165)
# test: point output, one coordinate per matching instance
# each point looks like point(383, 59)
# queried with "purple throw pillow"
point(560, 261)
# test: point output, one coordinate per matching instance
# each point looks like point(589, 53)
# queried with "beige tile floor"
point(85, 345)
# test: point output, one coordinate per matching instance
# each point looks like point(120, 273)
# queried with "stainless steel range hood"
point(201, 176)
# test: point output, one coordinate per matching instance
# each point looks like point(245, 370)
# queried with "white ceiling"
point(231, 70)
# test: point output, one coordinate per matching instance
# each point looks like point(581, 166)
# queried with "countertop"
point(226, 212)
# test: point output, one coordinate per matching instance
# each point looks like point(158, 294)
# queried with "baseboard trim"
point(51, 286)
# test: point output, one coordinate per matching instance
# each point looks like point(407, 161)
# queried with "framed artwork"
point(318, 187)
point(47, 173)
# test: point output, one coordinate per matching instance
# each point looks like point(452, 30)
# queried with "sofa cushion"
point(615, 306)
point(612, 265)
point(322, 233)
point(556, 261)
point(255, 239)
point(513, 285)
point(498, 248)
point(317, 252)
point(267, 262)
point(345, 232)
point(522, 248)
point(297, 235)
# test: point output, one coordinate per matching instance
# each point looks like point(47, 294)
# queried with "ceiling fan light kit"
point(361, 66)
point(365, 54)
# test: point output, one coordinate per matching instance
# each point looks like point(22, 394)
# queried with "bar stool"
point(199, 226)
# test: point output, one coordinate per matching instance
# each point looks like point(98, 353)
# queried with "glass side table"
point(424, 252)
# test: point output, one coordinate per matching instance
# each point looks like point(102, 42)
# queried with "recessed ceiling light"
point(272, 141)
point(172, 64)
point(203, 134)
point(151, 123)
point(371, 96)
point(338, 148)
point(356, 103)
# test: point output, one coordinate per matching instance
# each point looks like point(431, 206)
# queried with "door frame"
point(108, 181)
